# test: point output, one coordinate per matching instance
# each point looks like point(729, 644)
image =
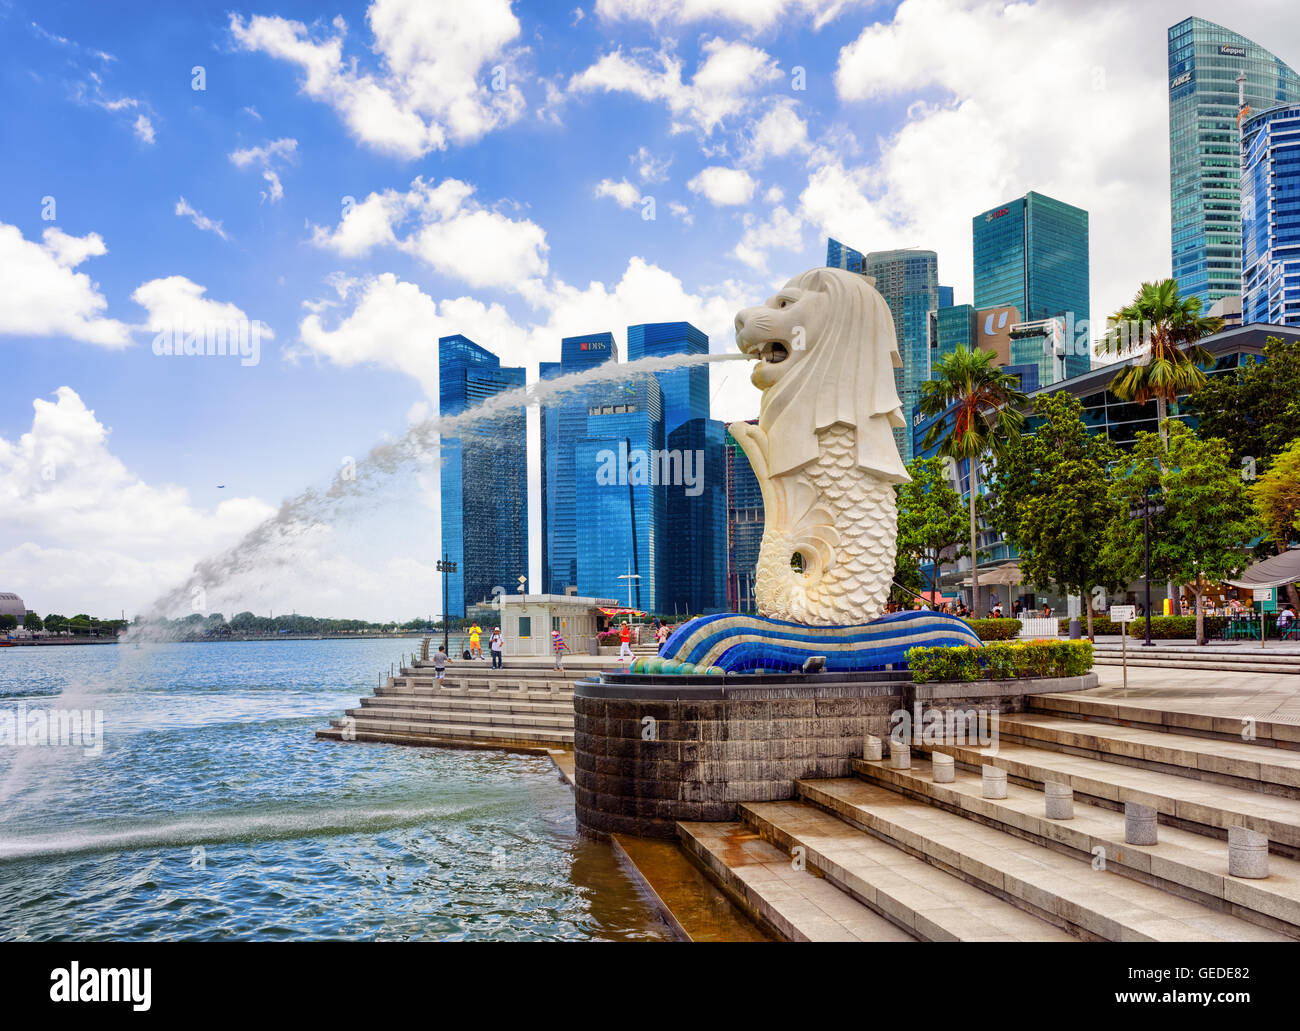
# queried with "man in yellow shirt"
point(475, 650)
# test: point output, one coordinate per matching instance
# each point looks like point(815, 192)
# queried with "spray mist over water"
point(314, 506)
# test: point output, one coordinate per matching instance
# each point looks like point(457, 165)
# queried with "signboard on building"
point(1232, 50)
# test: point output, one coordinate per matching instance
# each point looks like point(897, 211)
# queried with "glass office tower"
point(618, 506)
point(1205, 60)
point(686, 391)
point(840, 256)
point(909, 282)
point(694, 564)
point(744, 527)
point(484, 477)
point(1270, 216)
point(564, 421)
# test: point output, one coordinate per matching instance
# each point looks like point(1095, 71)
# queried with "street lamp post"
point(445, 566)
point(1145, 511)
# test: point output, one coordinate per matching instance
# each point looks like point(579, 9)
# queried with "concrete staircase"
point(475, 706)
point(1241, 657)
point(940, 862)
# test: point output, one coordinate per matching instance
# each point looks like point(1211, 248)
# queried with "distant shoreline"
point(224, 639)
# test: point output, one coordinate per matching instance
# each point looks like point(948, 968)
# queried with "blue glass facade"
point(1032, 254)
point(1270, 216)
point(484, 477)
point(563, 422)
point(840, 256)
point(694, 567)
point(1205, 60)
point(909, 282)
point(686, 391)
point(619, 513)
point(744, 527)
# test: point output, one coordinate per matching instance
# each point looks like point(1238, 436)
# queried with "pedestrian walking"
point(440, 662)
point(557, 642)
point(496, 645)
point(475, 649)
point(624, 643)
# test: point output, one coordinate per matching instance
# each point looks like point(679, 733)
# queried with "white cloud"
point(144, 129)
point(200, 220)
point(779, 132)
point(445, 71)
point(267, 157)
point(178, 301)
point(43, 295)
point(624, 193)
point(783, 230)
point(723, 186)
point(774, 195)
point(681, 211)
point(650, 168)
point(448, 231)
point(723, 85)
point(87, 534)
point(753, 14)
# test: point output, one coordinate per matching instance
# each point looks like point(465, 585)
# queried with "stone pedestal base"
point(1139, 824)
point(993, 782)
point(1059, 800)
point(944, 768)
point(900, 756)
point(1247, 853)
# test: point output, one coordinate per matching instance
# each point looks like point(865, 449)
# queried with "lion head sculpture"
point(826, 354)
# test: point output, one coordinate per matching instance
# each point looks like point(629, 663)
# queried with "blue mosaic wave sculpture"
point(732, 643)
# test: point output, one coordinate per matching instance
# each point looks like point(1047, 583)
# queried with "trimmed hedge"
point(1100, 625)
point(1000, 661)
point(1166, 627)
point(995, 629)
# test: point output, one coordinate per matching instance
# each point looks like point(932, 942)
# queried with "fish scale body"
point(862, 507)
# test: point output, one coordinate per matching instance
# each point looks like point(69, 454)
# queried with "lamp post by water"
point(629, 577)
point(445, 566)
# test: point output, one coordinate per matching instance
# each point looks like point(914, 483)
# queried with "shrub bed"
point(1165, 627)
point(1100, 625)
point(1000, 661)
point(995, 629)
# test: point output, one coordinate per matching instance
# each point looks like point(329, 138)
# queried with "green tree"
point(8, 623)
point(1051, 500)
point(1256, 406)
point(930, 522)
point(1172, 324)
point(1208, 521)
point(985, 420)
point(54, 622)
point(32, 622)
point(1277, 500)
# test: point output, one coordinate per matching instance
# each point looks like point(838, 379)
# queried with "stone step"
point(420, 739)
point(544, 707)
point(1186, 719)
point(797, 905)
point(453, 715)
point(929, 902)
point(1177, 799)
point(1185, 862)
point(1232, 665)
point(1239, 763)
point(1097, 903)
point(458, 728)
point(536, 692)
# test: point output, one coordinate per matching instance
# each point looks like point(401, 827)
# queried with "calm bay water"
point(213, 813)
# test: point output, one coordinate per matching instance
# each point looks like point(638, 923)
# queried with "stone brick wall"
point(649, 752)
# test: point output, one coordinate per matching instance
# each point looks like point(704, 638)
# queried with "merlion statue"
point(823, 450)
point(824, 454)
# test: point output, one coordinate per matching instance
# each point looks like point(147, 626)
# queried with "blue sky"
point(500, 160)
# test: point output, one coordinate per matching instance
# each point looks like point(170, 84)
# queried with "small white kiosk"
point(527, 620)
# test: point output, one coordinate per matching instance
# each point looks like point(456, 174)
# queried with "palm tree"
point(986, 418)
point(1173, 324)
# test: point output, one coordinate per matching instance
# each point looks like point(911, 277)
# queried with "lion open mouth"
point(774, 352)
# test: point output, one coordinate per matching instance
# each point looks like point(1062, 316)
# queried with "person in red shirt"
point(625, 642)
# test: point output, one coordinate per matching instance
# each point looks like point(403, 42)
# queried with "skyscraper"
point(908, 280)
point(744, 527)
point(686, 391)
point(619, 502)
point(1270, 216)
point(563, 422)
point(484, 476)
point(840, 256)
point(693, 566)
point(1204, 148)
